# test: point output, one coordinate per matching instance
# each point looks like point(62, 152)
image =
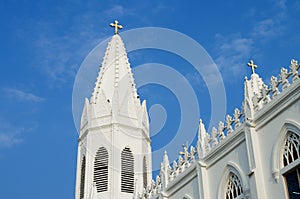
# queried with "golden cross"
point(252, 65)
point(117, 27)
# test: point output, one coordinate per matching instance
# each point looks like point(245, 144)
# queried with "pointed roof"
point(115, 73)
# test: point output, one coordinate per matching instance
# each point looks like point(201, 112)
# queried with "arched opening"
point(234, 189)
point(291, 148)
point(127, 171)
point(233, 183)
point(101, 170)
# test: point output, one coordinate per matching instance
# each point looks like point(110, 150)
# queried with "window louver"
point(127, 171)
point(145, 172)
point(82, 178)
point(101, 170)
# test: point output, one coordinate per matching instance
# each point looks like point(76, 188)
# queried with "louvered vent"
point(101, 170)
point(82, 178)
point(127, 171)
point(145, 172)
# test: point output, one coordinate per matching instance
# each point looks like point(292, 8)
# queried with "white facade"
point(114, 152)
point(252, 154)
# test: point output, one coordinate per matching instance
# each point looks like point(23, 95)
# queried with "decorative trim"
point(286, 99)
point(181, 180)
point(223, 148)
point(231, 167)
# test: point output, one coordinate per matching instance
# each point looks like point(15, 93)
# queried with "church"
point(253, 153)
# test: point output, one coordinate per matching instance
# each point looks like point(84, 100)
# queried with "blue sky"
point(43, 44)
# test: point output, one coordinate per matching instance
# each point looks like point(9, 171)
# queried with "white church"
point(254, 153)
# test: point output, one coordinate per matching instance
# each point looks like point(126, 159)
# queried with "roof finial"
point(117, 27)
point(252, 65)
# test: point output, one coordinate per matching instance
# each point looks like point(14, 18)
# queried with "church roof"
point(115, 73)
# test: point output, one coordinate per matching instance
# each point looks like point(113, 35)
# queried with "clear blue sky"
point(43, 44)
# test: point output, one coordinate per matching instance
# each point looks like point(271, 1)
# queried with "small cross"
point(117, 27)
point(252, 65)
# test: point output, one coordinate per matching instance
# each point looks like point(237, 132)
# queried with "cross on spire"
point(252, 65)
point(117, 27)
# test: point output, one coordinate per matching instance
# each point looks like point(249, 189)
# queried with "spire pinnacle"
point(117, 27)
point(252, 65)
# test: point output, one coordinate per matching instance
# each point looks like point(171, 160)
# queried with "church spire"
point(115, 76)
point(114, 132)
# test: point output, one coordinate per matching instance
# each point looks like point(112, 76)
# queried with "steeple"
point(115, 73)
point(114, 137)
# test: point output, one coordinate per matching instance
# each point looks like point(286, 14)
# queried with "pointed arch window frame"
point(291, 149)
point(235, 186)
point(127, 170)
point(231, 167)
point(100, 168)
point(278, 168)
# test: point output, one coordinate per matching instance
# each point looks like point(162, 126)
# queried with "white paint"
point(249, 143)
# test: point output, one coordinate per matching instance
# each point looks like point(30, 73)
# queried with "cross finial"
point(117, 27)
point(252, 65)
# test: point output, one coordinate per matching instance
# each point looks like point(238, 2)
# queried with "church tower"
point(114, 152)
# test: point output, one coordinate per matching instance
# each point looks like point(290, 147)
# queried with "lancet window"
point(234, 189)
point(291, 148)
point(127, 171)
point(101, 170)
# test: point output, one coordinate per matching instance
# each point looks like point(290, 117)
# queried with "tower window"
point(82, 178)
point(127, 171)
point(101, 170)
point(290, 154)
point(145, 172)
point(234, 189)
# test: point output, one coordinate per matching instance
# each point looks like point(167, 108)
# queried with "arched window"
point(82, 177)
point(101, 170)
point(291, 148)
point(145, 171)
point(290, 154)
point(234, 189)
point(127, 171)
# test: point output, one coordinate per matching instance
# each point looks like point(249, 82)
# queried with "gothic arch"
point(232, 168)
point(101, 169)
point(127, 171)
point(277, 163)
